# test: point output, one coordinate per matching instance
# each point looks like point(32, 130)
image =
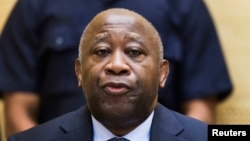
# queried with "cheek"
point(90, 67)
point(148, 73)
point(90, 85)
point(148, 84)
point(89, 75)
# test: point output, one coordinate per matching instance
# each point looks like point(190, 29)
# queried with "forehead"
point(119, 19)
point(117, 26)
point(116, 22)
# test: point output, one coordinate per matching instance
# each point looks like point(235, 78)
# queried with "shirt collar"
point(140, 133)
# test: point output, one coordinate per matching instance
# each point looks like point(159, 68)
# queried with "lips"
point(116, 88)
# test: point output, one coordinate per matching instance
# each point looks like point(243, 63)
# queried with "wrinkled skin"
point(120, 71)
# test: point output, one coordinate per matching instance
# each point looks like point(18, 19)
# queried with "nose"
point(117, 64)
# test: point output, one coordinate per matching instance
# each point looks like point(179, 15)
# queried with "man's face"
point(120, 71)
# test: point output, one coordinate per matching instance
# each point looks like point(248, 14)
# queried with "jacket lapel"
point(77, 128)
point(165, 127)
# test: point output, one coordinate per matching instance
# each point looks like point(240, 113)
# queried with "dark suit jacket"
point(77, 126)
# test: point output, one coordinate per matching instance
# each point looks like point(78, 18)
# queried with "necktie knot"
point(118, 139)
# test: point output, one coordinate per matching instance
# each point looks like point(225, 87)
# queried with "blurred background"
point(5, 8)
point(232, 22)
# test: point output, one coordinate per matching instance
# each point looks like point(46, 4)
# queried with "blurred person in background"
point(40, 42)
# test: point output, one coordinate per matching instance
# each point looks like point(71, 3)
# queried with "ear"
point(164, 70)
point(78, 71)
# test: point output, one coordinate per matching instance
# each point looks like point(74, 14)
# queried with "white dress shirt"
point(140, 133)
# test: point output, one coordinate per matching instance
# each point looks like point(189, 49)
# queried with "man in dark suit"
point(120, 69)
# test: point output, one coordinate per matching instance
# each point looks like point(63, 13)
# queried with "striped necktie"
point(118, 139)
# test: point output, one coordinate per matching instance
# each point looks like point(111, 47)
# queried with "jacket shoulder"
point(51, 129)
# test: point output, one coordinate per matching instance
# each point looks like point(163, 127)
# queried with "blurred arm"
point(202, 109)
point(201, 80)
point(20, 111)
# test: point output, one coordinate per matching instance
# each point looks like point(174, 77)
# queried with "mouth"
point(116, 88)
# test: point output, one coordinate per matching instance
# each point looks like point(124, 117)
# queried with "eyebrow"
point(131, 36)
point(100, 37)
point(134, 36)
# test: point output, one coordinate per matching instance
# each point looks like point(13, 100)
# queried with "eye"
point(134, 52)
point(102, 52)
